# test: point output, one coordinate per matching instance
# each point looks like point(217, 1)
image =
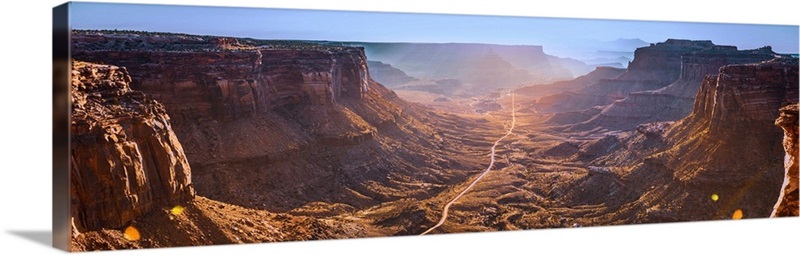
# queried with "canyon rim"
point(183, 139)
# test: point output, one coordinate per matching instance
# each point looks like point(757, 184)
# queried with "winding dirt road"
point(489, 168)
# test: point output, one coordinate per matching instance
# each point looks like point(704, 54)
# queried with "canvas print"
point(194, 125)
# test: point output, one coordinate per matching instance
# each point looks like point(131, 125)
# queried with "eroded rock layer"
point(126, 160)
point(787, 204)
point(728, 145)
point(254, 116)
point(223, 101)
point(674, 101)
point(233, 84)
point(653, 67)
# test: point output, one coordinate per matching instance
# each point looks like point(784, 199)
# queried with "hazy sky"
point(392, 27)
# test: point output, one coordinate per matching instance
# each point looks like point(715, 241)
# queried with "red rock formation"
point(280, 127)
point(281, 124)
point(653, 67)
point(233, 84)
point(661, 62)
point(787, 204)
point(674, 101)
point(220, 99)
point(742, 99)
point(727, 146)
point(125, 158)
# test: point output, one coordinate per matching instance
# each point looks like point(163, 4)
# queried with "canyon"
point(709, 155)
point(675, 100)
point(262, 141)
point(653, 67)
point(479, 67)
point(130, 170)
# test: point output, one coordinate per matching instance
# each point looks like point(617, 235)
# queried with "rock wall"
point(674, 101)
point(722, 161)
point(226, 85)
point(222, 100)
point(753, 92)
point(787, 204)
point(661, 62)
point(653, 67)
point(728, 145)
point(126, 160)
point(742, 99)
point(270, 113)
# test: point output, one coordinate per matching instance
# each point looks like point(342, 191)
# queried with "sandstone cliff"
point(728, 146)
point(653, 67)
point(233, 84)
point(276, 131)
point(787, 204)
point(283, 137)
point(674, 101)
point(126, 160)
point(277, 125)
point(220, 99)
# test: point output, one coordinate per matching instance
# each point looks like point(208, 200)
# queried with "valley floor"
point(541, 179)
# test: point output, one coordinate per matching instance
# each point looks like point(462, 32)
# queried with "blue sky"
point(394, 27)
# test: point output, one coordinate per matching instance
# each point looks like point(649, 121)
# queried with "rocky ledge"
point(225, 95)
point(126, 160)
point(674, 101)
point(724, 160)
point(653, 67)
point(226, 78)
point(729, 144)
point(741, 99)
point(787, 204)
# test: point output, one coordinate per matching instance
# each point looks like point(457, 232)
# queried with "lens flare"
point(738, 214)
point(132, 234)
point(714, 197)
point(177, 210)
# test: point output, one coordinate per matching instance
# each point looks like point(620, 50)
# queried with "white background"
point(25, 183)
